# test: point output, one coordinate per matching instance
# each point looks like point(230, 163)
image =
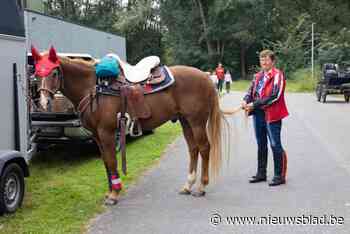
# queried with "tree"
point(139, 22)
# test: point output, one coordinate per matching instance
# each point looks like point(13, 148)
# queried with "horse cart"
point(333, 81)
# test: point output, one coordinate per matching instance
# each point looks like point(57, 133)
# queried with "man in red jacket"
point(220, 73)
point(265, 101)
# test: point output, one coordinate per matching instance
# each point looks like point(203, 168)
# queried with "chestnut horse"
point(192, 99)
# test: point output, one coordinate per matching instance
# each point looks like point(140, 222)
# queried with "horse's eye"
point(54, 74)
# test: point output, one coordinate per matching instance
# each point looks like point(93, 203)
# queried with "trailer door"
point(13, 112)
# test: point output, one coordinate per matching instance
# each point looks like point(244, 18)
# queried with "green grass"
point(66, 188)
point(299, 81)
point(302, 81)
point(240, 85)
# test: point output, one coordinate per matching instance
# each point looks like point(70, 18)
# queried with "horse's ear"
point(35, 54)
point(53, 55)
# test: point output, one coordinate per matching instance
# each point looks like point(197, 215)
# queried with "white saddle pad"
point(140, 71)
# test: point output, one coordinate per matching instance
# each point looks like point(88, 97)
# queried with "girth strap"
point(84, 103)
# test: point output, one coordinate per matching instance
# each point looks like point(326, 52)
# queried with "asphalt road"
point(316, 138)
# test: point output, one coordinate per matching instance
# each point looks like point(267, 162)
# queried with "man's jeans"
point(271, 131)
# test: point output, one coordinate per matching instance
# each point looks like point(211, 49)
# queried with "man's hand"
point(244, 105)
point(249, 107)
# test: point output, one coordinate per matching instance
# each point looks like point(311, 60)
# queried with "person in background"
point(228, 80)
point(220, 73)
point(265, 101)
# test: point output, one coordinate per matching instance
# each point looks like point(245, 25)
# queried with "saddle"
point(133, 82)
point(159, 79)
point(144, 70)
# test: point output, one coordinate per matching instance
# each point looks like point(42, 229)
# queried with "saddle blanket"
point(149, 88)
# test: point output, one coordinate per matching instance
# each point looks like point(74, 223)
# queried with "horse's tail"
point(214, 128)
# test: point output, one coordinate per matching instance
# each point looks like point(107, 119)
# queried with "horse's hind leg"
point(107, 142)
point(201, 138)
point(193, 150)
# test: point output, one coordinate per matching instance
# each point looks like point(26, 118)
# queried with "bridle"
point(58, 79)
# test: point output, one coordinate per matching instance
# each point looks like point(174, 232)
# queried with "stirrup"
point(139, 129)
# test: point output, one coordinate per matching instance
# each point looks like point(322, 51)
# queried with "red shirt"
point(220, 73)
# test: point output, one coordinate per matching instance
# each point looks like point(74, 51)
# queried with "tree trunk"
point(243, 64)
point(205, 29)
point(222, 50)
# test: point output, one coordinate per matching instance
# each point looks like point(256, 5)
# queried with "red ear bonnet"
point(44, 65)
point(52, 55)
point(36, 55)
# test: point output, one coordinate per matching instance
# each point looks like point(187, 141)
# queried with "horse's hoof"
point(185, 192)
point(110, 202)
point(198, 194)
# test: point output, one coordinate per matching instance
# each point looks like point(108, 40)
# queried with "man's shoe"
point(258, 175)
point(257, 179)
point(277, 181)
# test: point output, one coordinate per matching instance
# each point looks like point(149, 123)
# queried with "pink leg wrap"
point(116, 183)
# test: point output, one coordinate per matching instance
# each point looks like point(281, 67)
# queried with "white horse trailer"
point(15, 147)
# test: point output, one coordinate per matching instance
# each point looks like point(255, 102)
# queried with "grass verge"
point(66, 187)
point(299, 81)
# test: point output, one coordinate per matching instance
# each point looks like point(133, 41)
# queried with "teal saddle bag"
point(107, 67)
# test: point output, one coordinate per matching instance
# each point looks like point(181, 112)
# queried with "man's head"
point(220, 65)
point(267, 59)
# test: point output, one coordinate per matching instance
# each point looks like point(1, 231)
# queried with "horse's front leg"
point(107, 142)
point(98, 142)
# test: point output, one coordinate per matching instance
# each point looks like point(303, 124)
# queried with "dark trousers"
point(272, 132)
point(220, 84)
point(228, 86)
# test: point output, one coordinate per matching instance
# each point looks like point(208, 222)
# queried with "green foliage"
point(301, 80)
point(203, 32)
point(139, 22)
point(335, 49)
point(292, 50)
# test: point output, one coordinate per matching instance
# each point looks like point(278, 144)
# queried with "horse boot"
point(116, 187)
point(262, 165)
point(280, 168)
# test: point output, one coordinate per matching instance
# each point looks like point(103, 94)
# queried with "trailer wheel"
point(11, 188)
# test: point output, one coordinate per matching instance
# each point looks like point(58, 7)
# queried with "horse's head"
point(47, 67)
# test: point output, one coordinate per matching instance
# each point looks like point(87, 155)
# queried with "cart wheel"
point(347, 98)
point(324, 96)
point(318, 95)
point(318, 92)
point(11, 188)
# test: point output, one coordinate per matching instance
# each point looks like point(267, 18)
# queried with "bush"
point(301, 80)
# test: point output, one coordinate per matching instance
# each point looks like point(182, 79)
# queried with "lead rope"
point(123, 119)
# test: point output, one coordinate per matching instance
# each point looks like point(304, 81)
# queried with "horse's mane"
point(78, 64)
point(77, 61)
point(80, 61)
